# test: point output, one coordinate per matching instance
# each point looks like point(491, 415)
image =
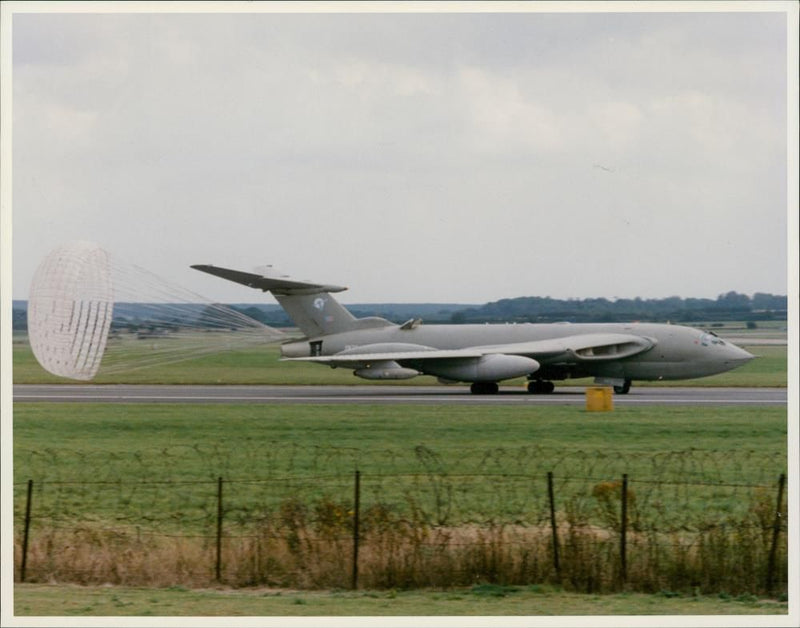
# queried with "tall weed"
point(310, 546)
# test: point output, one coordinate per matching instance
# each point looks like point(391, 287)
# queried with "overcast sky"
point(412, 157)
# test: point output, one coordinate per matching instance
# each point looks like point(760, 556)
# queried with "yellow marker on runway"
point(599, 399)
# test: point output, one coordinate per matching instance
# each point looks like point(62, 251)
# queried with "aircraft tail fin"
point(310, 305)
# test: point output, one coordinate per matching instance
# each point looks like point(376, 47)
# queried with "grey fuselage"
point(678, 353)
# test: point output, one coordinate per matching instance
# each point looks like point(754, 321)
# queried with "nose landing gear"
point(624, 389)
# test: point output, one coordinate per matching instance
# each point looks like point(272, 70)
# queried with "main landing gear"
point(536, 387)
point(540, 387)
point(624, 389)
point(484, 388)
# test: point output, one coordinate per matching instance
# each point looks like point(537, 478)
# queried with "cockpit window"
point(710, 338)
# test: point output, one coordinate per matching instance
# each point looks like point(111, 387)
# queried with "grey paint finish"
point(375, 348)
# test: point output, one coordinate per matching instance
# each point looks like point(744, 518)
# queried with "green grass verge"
point(191, 441)
point(117, 485)
point(481, 600)
point(488, 462)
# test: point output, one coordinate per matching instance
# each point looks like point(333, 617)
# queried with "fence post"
point(356, 507)
point(623, 530)
point(553, 523)
point(219, 529)
point(776, 530)
point(24, 565)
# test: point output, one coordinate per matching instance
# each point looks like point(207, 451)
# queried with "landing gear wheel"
point(484, 388)
point(540, 386)
point(624, 389)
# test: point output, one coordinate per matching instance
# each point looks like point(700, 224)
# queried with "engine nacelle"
point(386, 369)
point(487, 368)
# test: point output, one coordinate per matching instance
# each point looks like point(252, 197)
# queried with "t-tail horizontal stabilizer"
point(269, 281)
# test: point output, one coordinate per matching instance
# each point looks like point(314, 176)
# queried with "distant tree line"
point(730, 306)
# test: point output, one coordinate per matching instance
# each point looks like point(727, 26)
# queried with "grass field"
point(179, 442)
point(286, 450)
point(480, 600)
point(115, 472)
point(105, 472)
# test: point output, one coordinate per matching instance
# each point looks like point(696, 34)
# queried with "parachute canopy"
point(70, 309)
point(90, 314)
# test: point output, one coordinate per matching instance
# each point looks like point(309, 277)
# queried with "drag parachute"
point(70, 309)
point(91, 314)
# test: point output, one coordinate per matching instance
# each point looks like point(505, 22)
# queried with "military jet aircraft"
point(614, 354)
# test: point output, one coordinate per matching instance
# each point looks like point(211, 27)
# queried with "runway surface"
point(420, 395)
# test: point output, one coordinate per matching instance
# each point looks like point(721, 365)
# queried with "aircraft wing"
point(356, 360)
point(580, 348)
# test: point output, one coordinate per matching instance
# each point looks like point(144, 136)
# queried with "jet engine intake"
point(386, 369)
point(486, 368)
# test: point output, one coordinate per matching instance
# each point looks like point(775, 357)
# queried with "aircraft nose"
point(737, 356)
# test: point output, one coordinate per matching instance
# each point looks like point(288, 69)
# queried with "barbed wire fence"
point(589, 532)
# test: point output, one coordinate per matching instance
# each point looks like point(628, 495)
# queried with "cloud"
point(366, 147)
